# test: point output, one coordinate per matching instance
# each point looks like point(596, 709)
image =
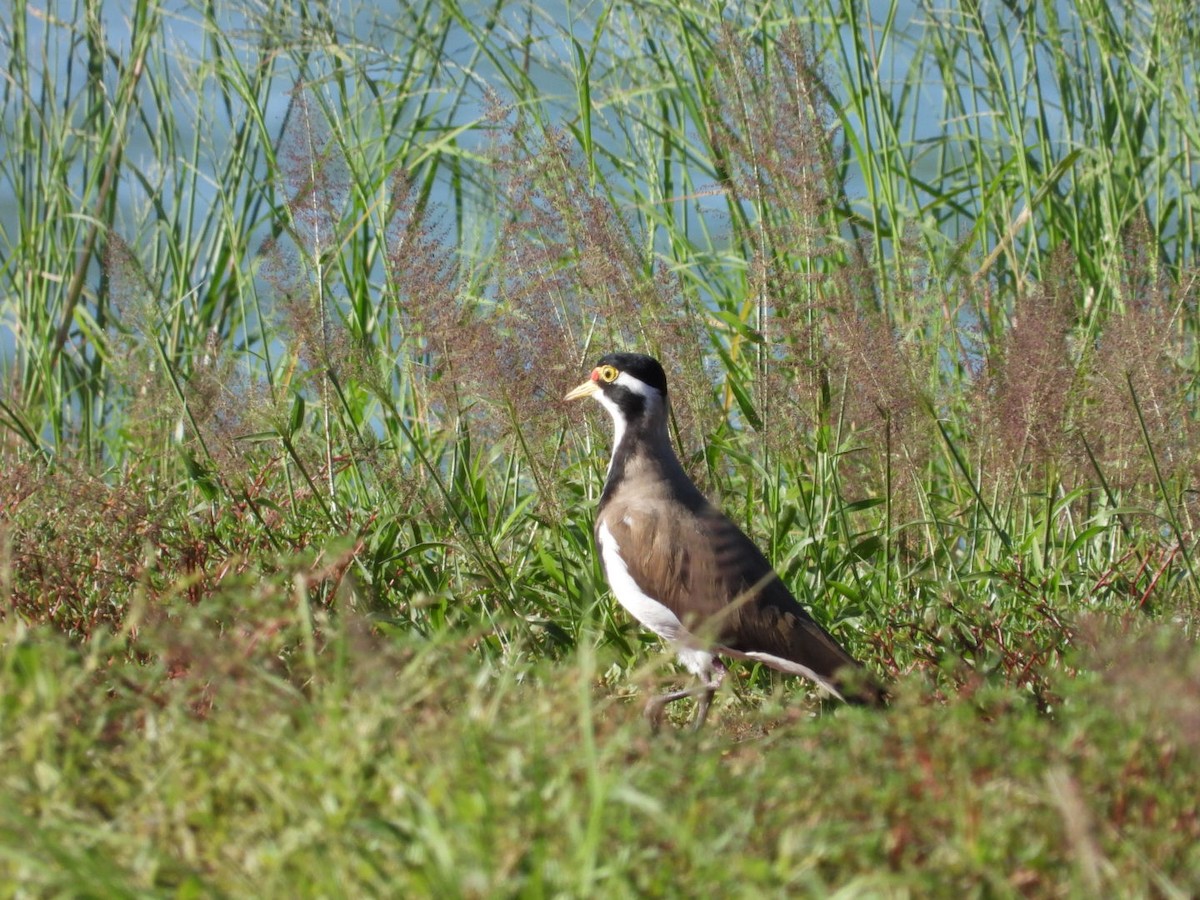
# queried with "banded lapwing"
point(683, 569)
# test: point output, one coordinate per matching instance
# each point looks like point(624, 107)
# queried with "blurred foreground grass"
point(404, 767)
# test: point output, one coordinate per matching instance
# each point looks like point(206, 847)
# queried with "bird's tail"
point(860, 687)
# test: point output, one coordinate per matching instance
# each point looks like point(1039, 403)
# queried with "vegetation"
point(300, 594)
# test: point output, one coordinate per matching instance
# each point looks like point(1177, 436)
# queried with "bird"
point(684, 569)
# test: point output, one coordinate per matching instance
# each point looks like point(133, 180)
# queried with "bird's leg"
point(656, 706)
point(706, 690)
point(716, 675)
point(702, 706)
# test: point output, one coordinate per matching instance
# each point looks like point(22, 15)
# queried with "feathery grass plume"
point(424, 387)
point(134, 362)
point(426, 292)
point(423, 270)
point(304, 269)
point(571, 280)
point(873, 372)
point(491, 365)
point(173, 392)
point(314, 182)
point(1027, 398)
point(1139, 364)
point(768, 123)
point(819, 313)
point(424, 287)
point(536, 313)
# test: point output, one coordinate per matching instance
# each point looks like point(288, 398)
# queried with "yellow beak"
point(587, 389)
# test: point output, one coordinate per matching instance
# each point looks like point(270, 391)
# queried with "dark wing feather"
point(719, 584)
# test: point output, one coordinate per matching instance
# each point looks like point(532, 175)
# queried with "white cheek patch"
point(637, 386)
point(653, 397)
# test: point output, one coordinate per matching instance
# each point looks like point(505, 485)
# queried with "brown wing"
point(718, 583)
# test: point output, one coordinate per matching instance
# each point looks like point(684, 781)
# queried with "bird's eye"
point(607, 374)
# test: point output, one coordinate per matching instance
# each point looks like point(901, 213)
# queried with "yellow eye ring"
point(607, 374)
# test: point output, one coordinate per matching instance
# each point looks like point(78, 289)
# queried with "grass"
point(407, 765)
point(296, 535)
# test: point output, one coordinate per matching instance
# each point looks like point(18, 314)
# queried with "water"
point(542, 45)
point(548, 33)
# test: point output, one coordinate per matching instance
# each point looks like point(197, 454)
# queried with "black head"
point(645, 369)
point(631, 386)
